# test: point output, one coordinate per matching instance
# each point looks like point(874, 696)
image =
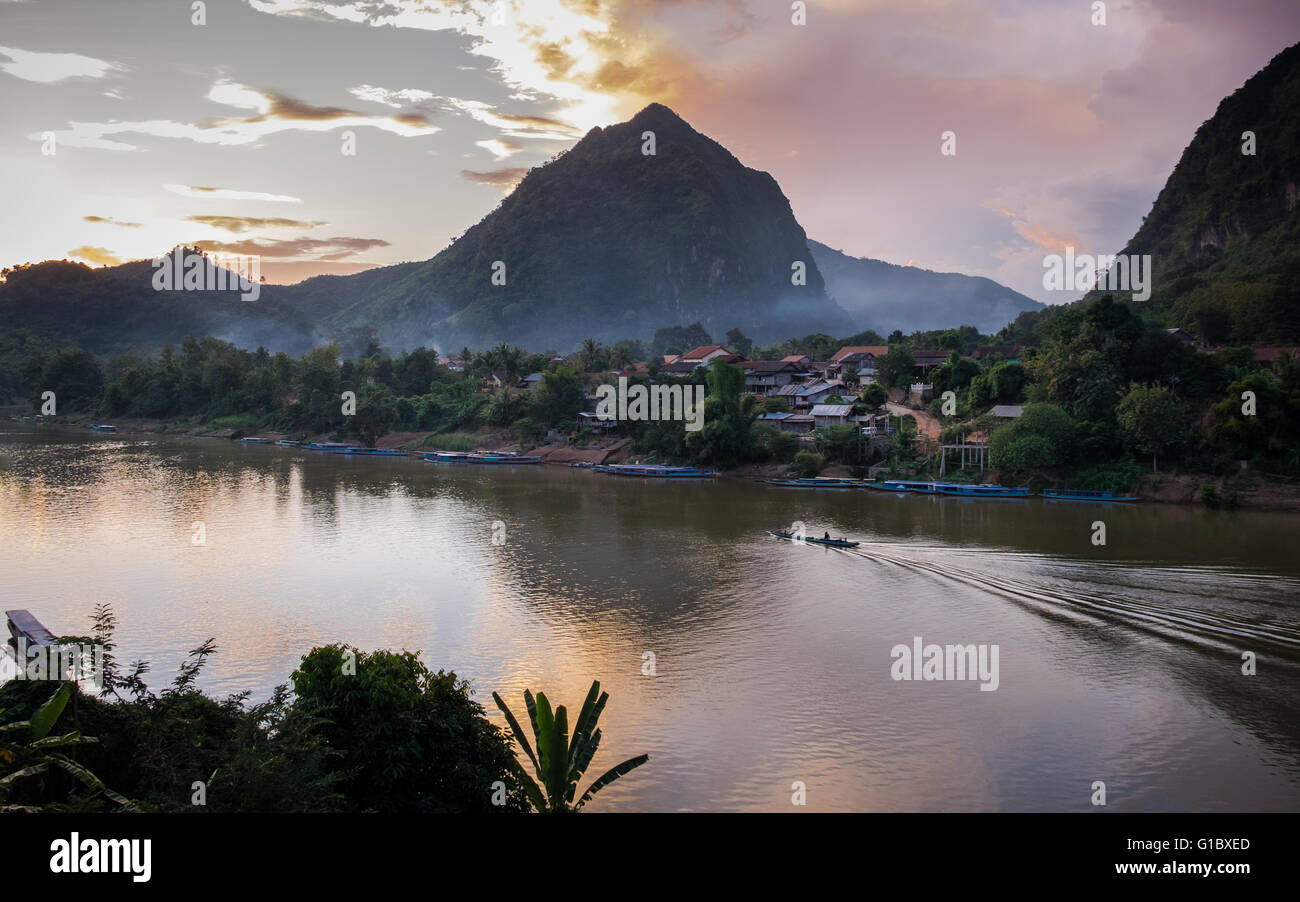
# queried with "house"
point(1007, 411)
point(799, 423)
point(495, 379)
point(704, 354)
point(926, 360)
point(1269, 356)
point(808, 394)
point(765, 377)
point(1185, 338)
point(802, 361)
point(825, 415)
point(679, 368)
point(873, 424)
point(856, 360)
point(1009, 353)
point(635, 371)
point(531, 381)
point(452, 364)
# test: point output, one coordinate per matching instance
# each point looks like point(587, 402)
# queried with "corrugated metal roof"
point(832, 410)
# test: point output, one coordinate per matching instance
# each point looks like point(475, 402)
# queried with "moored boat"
point(830, 543)
point(376, 452)
point(329, 447)
point(287, 443)
point(255, 440)
point(659, 471)
point(984, 490)
point(23, 626)
point(501, 457)
point(1084, 495)
point(447, 457)
point(103, 427)
point(813, 482)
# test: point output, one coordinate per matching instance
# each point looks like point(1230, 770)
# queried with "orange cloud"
point(94, 255)
point(501, 177)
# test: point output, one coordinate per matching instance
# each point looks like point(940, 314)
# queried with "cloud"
point(272, 113)
point(316, 248)
point(94, 255)
point(500, 148)
point(108, 220)
point(244, 223)
point(230, 194)
point(51, 68)
point(504, 178)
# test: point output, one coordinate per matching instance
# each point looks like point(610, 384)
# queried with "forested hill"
point(1224, 232)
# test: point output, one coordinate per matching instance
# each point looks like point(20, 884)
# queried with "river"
point(773, 663)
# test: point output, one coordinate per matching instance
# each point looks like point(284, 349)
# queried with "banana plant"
point(561, 761)
point(27, 749)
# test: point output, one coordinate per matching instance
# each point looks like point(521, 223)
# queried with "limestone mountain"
point(884, 296)
point(1224, 232)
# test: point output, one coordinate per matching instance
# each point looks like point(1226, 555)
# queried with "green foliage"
point(809, 463)
point(408, 740)
point(875, 395)
point(561, 761)
point(1043, 437)
point(726, 438)
point(1153, 420)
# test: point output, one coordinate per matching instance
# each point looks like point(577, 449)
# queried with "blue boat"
point(376, 452)
point(814, 482)
point(1082, 495)
point(656, 471)
point(952, 489)
point(984, 490)
point(830, 543)
point(501, 457)
point(103, 427)
point(329, 447)
point(448, 457)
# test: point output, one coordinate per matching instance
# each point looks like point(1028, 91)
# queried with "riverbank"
point(1245, 491)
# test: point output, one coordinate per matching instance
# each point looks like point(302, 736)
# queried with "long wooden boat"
point(656, 471)
point(1082, 495)
point(813, 482)
point(329, 447)
point(983, 490)
point(286, 443)
point(951, 489)
point(22, 625)
point(376, 452)
point(255, 440)
point(103, 427)
point(447, 457)
point(830, 543)
point(501, 457)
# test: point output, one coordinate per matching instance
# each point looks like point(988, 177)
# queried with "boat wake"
point(1168, 614)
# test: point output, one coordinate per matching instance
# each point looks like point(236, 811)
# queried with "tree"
point(875, 396)
point(559, 398)
point(407, 739)
point(726, 438)
point(737, 342)
point(1043, 436)
point(1153, 420)
point(559, 761)
point(895, 367)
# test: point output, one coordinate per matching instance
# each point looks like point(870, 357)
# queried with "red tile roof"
point(873, 350)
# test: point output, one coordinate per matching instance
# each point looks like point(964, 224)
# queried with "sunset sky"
point(231, 133)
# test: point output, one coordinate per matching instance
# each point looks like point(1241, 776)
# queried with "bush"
point(809, 463)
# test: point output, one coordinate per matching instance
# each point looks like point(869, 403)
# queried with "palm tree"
point(561, 762)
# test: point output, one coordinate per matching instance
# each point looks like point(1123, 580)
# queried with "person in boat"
point(826, 537)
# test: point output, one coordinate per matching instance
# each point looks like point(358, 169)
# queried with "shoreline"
point(1248, 491)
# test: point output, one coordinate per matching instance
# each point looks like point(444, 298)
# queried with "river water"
point(773, 663)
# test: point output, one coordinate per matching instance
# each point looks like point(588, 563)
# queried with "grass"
point(236, 421)
point(451, 441)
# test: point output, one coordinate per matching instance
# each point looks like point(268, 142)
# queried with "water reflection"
point(1120, 663)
